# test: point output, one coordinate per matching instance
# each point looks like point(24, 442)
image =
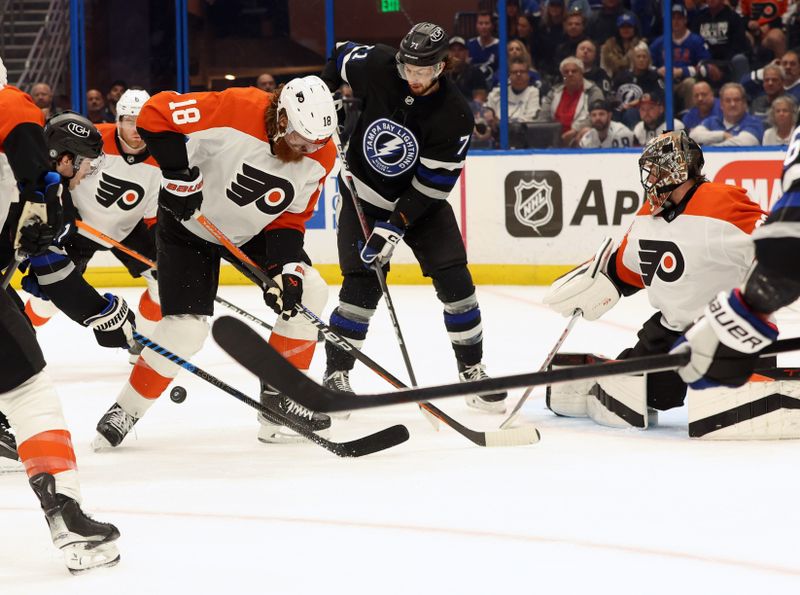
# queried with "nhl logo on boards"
point(390, 149)
point(533, 204)
point(78, 130)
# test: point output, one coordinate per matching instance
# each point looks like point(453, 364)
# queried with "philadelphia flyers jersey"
point(121, 193)
point(246, 187)
point(686, 255)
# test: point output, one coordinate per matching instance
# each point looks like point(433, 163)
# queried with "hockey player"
point(120, 200)
point(690, 238)
point(405, 154)
point(27, 395)
point(254, 163)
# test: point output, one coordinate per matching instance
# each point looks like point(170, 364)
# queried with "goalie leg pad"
point(569, 399)
point(765, 408)
point(619, 402)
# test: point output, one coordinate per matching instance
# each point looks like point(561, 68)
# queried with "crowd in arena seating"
point(590, 73)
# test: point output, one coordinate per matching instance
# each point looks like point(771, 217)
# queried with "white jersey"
point(685, 260)
point(245, 186)
point(643, 135)
point(8, 188)
point(618, 136)
point(121, 193)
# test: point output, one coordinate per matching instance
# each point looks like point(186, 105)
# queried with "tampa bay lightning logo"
point(390, 149)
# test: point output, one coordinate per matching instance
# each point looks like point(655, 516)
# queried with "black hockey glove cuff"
point(181, 192)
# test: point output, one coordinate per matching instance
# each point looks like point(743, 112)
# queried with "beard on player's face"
point(285, 152)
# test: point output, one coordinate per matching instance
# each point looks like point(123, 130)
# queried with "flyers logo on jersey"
point(124, 193)
point(271, 194)
point(660, 259)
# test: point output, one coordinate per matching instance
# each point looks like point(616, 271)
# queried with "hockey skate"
point(270, 432)
point(113, 427)
point(9, 458)
point(493, 402)
point(338, 380)
point(86, 543)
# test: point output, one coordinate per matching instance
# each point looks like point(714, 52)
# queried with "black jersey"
point(405, 151)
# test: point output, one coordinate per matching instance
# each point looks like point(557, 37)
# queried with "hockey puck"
point(177, 394)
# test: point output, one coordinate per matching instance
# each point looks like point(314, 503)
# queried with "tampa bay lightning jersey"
point(403, 145)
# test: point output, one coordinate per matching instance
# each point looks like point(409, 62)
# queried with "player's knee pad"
point(569, 399)
point(766, 408)
point(453, 284)
point(33, 407)
point(620, 402)
point(315, 296)
point(182, 334)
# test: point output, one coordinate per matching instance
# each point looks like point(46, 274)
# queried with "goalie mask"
point(668, 161)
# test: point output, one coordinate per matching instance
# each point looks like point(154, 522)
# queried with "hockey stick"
point(245, 346)
point(143, 259)
point(10, 270)
point(362, 220)
point(378, 441)
point(525, 435)
point(509, 421)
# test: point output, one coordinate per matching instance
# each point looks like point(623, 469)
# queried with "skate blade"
point(100, 443)
point(82, 557)
point(281, 435)
point(343, 415)
point(476, 402)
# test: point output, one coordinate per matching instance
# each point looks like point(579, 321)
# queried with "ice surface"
point(203, 507)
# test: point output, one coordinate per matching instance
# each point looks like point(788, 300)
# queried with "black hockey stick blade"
point(248, 348)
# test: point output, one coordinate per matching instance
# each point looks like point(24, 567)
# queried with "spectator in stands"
point(266, 82)
point(465, 76)
point(549, 35)
point(574, 33)
point(352, 112)
point(782, 116)
point(705, 105)
point(484, 135)
point(651, 114)
point(523, 98)
point(724, 32)
point(586, 52)
point(735, 128)
point(616, 54)
point(114, 93)
point(790, 62)
point(517, 49)
point(772, 86)
point(42, 96)
point(688, 51)
point(96, 107)
point(603, 20)
point(512, 12)
point(762, 15)
point(484, 49)
point(525, 32)
point(568, 102)
point(604, 132)
point(768, 48)
point(631, 84)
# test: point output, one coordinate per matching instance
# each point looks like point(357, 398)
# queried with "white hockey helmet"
point(309, 107)
point(3, 74)
point(131, 101)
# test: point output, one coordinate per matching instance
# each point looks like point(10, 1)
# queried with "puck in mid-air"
point(177, 394)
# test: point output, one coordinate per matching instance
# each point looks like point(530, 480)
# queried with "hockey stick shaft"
point(143, 259)
point(9, 272)
point(372, 443)
point(515, 412)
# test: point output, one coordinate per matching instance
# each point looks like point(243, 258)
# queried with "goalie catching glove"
point(287, 292)
point(113, 327)
point(586, 288)
point(724, 342)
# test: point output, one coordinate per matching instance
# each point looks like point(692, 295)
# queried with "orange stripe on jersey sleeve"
point(48, 452)
point(726, 203)
point(16, 107)
point(624, 273)
point(109, 134)
point(240, 108)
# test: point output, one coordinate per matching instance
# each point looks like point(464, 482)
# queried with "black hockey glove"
point(725, 343)
point(381, 244)
point(41, 217)
point(289, 292)
point(181, 192)
point(113, 327)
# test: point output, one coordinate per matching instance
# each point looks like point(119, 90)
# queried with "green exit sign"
point(389, 5)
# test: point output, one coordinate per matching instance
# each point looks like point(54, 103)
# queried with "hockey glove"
point(586, 287)
point(289, 291)
point(41, 216)
point(181, 192)
point(381, 243)
point(724, 343)
point(113, 327)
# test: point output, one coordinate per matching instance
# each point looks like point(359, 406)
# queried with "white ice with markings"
point(203, 507)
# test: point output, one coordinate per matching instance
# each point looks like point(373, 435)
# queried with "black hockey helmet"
point(70, 132)
point(425, 45)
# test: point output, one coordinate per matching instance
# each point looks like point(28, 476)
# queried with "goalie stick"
point(378, 441)
point(248, 348)
point(520, 436)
